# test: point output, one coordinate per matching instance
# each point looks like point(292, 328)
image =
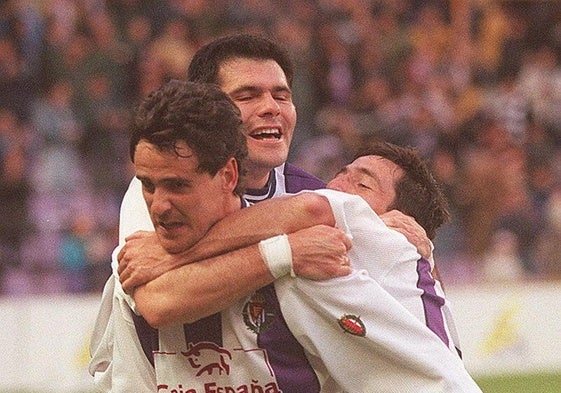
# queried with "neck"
point(257, 177)
point(232, 204)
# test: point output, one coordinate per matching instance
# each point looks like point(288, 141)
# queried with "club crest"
point(352, 324)
point(255, 314)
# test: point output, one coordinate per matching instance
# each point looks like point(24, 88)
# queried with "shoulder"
point(298, 179)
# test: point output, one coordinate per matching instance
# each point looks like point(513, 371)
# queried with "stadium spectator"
point(45, 42)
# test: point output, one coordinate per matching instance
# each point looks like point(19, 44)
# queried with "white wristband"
point(277, 254)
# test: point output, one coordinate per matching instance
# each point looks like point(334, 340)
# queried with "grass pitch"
point(535, 383)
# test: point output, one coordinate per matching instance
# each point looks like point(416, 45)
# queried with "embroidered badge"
point(352, 324)
point(255, 314)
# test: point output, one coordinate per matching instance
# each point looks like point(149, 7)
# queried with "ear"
point(230, 175)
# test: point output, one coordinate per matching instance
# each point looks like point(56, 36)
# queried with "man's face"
point(183, 203)
point(260, 90)
point(371, 177)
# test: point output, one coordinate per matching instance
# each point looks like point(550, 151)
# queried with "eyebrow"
point(372, 175)
point(255, 89)
point(360, 169)
point(166, 180)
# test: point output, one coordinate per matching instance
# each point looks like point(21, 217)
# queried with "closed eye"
point(147, 186)
point(176, 185)
point(282, 95)
point(245, 97)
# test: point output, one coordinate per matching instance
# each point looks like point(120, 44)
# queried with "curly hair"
point(205, 65)
point(418, 194)
point(200, 114)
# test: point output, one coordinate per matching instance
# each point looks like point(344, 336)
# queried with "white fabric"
point(237, 363)
point(277, 255)
point(397, 353)
point(387, 256)
point(134, 214)
point(118, 363)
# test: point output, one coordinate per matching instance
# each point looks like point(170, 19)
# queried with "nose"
point(158, 203)
point(269, 106)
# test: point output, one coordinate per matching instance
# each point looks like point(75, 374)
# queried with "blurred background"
point(474, 85)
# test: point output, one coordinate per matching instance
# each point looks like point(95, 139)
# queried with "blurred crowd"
point(474, 85)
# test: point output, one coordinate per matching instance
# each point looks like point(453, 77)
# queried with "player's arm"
point(362, 332)
point(196, 290)
point(412, 230)
point(291, 213)
point(142, 259)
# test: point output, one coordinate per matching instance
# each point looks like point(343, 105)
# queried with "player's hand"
point(320, 252)
point(142, 259)
point(414, 232)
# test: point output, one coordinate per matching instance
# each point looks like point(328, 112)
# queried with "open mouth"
point(267, 134)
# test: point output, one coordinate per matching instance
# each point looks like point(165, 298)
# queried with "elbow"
point(317, 208)
point(155, 313)
point(164, 312)
point(155, 323)
point(155, 319)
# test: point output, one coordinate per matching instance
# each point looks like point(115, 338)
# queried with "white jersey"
point(394, 263)
point(355, 326)
point(118, 363)
point(319, 336)
point(122, 342)
point(341, 335)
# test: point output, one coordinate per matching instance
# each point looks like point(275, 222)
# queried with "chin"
point(172, 246)
point(270, 155)
point(274, 160)
point(172, 249)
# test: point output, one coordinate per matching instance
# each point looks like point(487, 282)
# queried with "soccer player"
point(121, 360)
point(386, 177)
point(248, 347)
point(257, 74)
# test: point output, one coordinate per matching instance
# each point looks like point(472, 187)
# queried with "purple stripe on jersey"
point(297, 180)
point(293, 372)
point(432, 303)
point(207, 329)
point(148, 337)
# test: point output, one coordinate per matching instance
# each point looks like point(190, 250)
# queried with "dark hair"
point(200, 114)
point(418, 194)
point(205, 65)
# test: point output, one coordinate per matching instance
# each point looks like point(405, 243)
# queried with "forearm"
point(200, 289)
point(375, 332)
point(197, 290)
point(261, 221)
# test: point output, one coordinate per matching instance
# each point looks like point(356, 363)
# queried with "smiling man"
point(338, 335)
point(382, 178)
point(257, 75)
point(188, 152)
point(256, 86)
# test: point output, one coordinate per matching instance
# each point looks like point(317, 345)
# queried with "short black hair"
point(200, 114)
point(206, 62)
point(418, 194)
